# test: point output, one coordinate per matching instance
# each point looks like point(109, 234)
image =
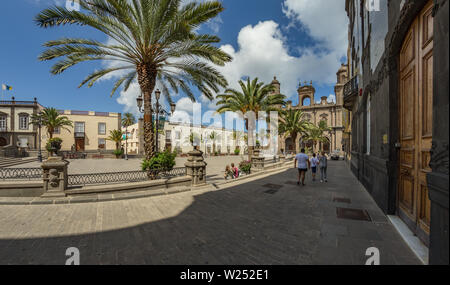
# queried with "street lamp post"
point(158, 111)
point(39, 150)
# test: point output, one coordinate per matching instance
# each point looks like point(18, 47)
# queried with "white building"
point(176, 137)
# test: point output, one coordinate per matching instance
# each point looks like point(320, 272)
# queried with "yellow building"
point(89, 132)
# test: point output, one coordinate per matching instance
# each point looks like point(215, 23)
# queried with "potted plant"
point(118, 153)
point(53, 146)
point(237, 151)
point(245, 166)
point(163, 161)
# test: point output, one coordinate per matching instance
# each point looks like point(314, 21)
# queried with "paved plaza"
point(264, 220)
point(215, 168)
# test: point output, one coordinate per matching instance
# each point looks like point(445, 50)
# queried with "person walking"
point(314, 165)
point(303, 165)
point(323, 165)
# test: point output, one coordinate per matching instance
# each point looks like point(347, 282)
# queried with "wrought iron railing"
point(18, 102)
point(351, 87)
point(21, 173)
point(123, 177)
point(72, 155)
point(272, 160)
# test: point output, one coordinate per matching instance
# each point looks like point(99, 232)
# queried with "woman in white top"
point(314, 165)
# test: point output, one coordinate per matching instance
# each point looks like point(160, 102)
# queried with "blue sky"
point(293, 39)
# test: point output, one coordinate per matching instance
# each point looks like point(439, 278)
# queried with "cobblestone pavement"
point(266, 221)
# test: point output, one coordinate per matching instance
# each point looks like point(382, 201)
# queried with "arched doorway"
point(3, 142)
point(415, 124)
point(326, 146)
point(289, 144)
point(307, 145)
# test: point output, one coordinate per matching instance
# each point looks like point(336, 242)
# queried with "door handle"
point(398, 145)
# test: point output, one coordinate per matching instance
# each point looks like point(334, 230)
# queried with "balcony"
point(79, 135)
point(351, 89)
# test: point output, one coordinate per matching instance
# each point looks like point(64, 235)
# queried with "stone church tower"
point(330, 112)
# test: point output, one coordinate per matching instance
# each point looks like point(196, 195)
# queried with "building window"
point(102, 143)
point(2, 123)
point(23, 122)
point(177, 135)
point(102, 128)
point(57, 130)
point(79, 127)
point(368, 126)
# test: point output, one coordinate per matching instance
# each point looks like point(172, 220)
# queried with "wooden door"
point(79, 144)
point(416, 95)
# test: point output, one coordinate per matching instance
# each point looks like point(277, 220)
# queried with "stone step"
point(15, 161)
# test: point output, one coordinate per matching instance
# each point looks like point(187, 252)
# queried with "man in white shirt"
point(302, 166)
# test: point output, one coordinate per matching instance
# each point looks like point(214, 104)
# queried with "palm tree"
point(237, 137)
point(323, 125)
point(253, 97)
point(127, 121)
point(152, 41)
point(195, 140)
point(293, 123)
point(315, 135)
point(51, 119)
point(214, 137)
point(116, 136)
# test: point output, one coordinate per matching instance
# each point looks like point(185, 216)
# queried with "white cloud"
point(325, 21)
point(263, 53)
point(331, 98)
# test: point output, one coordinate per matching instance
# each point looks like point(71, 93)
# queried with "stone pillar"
point(196, 167)
point(257, 161)
point(55, 176)
point(438, 179)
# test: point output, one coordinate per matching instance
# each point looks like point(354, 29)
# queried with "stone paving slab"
point(235, 224)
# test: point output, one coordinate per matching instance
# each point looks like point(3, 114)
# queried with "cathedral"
point(331, 112)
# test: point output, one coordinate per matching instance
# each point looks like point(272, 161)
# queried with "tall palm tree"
point(127, 121)
point(116, 136)
point(214, 137)
point(292, 123)
point(152, 41)
point(51, 119)
point(315, 135)
point(238, 136)
point(254, 96)
point(194, 140)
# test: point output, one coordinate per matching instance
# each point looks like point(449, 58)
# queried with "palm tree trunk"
point(249, 137)
point(126, 141)
point(296, 142)
point(147, 82)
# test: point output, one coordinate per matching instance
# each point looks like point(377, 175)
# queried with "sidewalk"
point(267, 220)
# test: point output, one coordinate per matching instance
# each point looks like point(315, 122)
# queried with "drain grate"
point(271, 191)
point(353, 214)
point(273, 186)
point(342, 200)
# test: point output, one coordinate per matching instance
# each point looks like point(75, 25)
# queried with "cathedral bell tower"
point(306, 92)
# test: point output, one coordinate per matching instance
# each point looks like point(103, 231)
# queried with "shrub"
point(245, 166)
point(163, 160)
point(118, 152)
point(57, 141)
point(237, 151)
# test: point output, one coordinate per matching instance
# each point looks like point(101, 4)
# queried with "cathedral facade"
point(315, 112)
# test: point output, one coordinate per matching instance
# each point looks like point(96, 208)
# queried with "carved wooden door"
point(416, 100)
